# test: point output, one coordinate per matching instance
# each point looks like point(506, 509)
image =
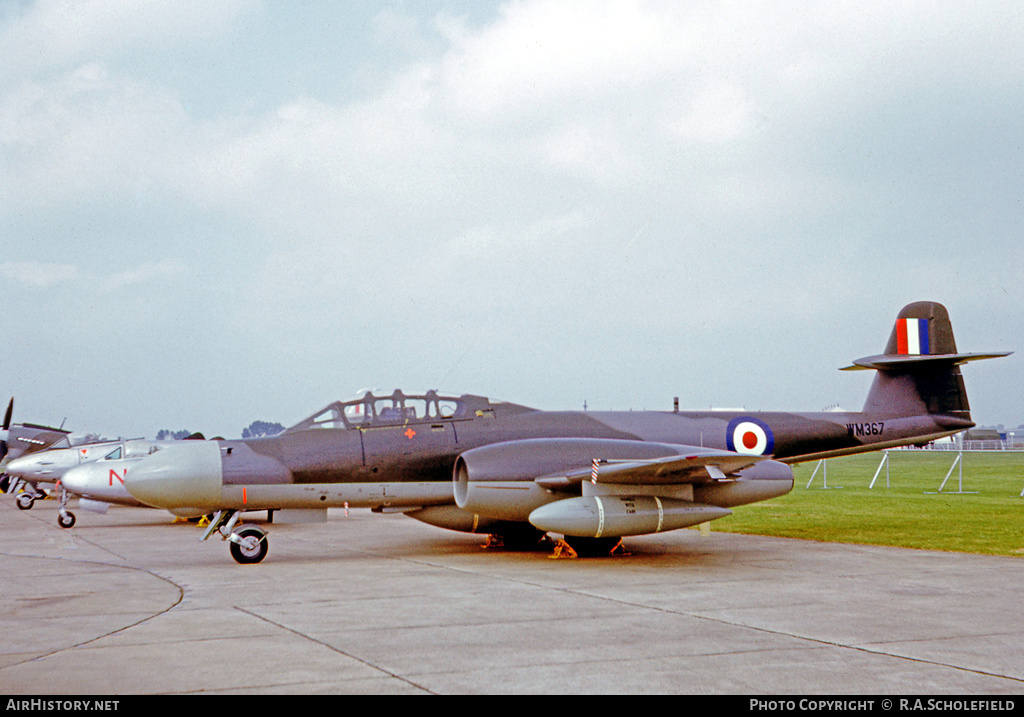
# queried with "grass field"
point(988, 517)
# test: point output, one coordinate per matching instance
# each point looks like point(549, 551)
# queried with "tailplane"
point(920, 370)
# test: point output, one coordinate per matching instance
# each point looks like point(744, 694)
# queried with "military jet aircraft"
point(472, 464)
point(100, 483)
point(94, 471)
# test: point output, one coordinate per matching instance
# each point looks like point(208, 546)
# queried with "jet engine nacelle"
point(511, 496)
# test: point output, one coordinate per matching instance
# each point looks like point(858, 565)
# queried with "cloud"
point(528, 62)
point(47, 275)
point(146, 274)
point(686, 180)
point(720, 105)
point(38, 274)
point(87, 136)
point(51, 34)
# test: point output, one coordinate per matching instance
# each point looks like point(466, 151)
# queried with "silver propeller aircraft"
point(471, 464)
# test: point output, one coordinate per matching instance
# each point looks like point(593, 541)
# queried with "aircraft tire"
point(25, 501)
point(66, 520)
point(247, 555)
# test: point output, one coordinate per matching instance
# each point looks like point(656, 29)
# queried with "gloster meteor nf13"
point(471, 464)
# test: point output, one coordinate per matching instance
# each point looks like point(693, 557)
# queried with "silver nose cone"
point(78, 480)
point(186, 476)
point(44, 466)
point(102, 480)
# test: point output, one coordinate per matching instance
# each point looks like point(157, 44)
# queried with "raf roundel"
point(750, 437)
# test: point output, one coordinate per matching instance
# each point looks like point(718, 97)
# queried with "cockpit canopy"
point(398, 408)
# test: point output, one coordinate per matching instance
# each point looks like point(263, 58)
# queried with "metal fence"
point(1000, 445)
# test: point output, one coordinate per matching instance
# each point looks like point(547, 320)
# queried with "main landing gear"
point(576, 547)
point(25, 501)
point(248, 542)
point(29, 492)
point(517, 537)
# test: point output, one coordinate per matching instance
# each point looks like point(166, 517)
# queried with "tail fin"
point(920, 370)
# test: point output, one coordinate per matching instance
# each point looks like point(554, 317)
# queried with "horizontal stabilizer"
point(919, 370)
point(899, 362)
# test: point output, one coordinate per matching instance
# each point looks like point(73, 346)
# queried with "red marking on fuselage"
point(113, 475)
point(750, 440)
point(410, 433)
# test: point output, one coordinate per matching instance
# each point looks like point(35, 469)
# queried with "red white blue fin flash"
point(912, 337)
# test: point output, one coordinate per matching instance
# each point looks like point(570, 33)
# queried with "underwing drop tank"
point(618, 516)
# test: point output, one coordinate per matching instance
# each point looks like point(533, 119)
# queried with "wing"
point(702, 467)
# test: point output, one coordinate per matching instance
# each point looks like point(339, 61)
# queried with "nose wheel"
point(65, 518)
point(249, 543)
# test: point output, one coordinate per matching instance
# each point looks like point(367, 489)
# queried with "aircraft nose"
point(186, 476)
point(24, 467)
point(14, 467)
point(76, 480)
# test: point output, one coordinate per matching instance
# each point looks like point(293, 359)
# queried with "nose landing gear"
point(249, 543)
point(65, 518)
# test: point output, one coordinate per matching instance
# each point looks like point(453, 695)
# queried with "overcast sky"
point(219, 212)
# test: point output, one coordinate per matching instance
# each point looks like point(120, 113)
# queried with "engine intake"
point(511, 497)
